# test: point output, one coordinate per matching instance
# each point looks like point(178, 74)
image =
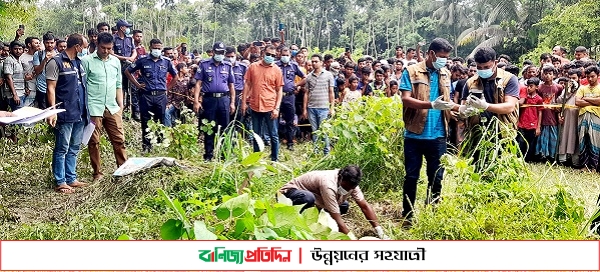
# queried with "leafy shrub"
point(369, 133)
point(243, 218)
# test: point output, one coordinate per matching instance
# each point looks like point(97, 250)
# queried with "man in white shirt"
point(33, 45)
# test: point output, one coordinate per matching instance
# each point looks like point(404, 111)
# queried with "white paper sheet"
point(29, 115)
point(133, 165)
point(87, 132)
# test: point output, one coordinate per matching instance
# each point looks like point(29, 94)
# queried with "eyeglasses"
point(270, 55)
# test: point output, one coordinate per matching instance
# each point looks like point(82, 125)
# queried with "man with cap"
point(152, 86)
point(290, 71)
point(214, 79)
point(124, 50)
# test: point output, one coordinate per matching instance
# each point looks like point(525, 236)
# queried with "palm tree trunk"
point(215, 26)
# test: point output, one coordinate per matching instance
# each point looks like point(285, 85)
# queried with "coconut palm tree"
point(453, 14)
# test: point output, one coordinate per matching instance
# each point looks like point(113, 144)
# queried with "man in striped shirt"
point(319, 98)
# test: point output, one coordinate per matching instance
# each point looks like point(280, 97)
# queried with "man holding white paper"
point(6, 114)
point(105, 101)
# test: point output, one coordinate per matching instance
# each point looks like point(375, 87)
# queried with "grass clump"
point(496, 198)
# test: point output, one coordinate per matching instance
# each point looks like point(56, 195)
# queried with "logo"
point(261, 254)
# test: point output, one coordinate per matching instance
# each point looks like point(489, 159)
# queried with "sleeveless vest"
point(70, 74)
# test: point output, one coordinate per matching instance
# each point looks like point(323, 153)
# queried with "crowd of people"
point(281, 91)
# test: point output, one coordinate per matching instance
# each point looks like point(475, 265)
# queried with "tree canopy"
point(514, 27)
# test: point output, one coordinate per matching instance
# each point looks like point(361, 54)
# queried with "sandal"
point(63, 188)
point(77, 183)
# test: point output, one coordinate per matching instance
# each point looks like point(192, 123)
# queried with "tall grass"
point(493, 195)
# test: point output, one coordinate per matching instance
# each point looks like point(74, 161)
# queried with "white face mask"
point(342, 191)
point(155, 53)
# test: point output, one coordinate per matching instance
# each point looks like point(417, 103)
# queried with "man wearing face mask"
point(239, 71)
point(425, 90)
point(124, 50)
point(329, 190)
point(500, 90)
point(493, 91)
point(290, 71)
point(65, 80)
point(214, 95)
point(294, 50)
point(263, 87)
point(152, 86)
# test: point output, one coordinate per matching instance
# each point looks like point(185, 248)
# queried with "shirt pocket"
point(290, 74)
point(238, 77)
point(223, 75)
point(210, 75)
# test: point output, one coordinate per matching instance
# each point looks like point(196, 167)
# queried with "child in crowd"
point(530, 120)
point(351, 93)
point(567, 118)
point(548, 140)
point(378, 85)
point(393, 90)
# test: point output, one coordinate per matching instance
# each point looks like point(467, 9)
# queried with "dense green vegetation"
point(235, 198)
point(513, 27)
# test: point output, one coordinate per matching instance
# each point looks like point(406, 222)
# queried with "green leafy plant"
point(244, 218)
point(368, 133)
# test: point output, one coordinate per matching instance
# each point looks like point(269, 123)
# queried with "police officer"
point(152, 84)
point(215, 81)
point(124, 50)
point(239, 71)
point(290, 70)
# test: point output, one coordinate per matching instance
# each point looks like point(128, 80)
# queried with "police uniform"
point(125, 47)
point(153, 98)
point(215, 78)
point(288, 102)
point(239, 71)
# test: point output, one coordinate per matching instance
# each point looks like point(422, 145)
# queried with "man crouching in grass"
point(329, 189)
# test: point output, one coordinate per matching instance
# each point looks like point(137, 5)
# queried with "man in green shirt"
point(105, 101)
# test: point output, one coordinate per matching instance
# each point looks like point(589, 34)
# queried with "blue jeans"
point(29, 100)
point(13, 106)
point(258, 120)
point(171, 115)
point(316, 116)
point(67, 142)
point(414, 151)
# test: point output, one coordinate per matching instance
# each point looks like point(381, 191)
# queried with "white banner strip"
point(300, 255)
